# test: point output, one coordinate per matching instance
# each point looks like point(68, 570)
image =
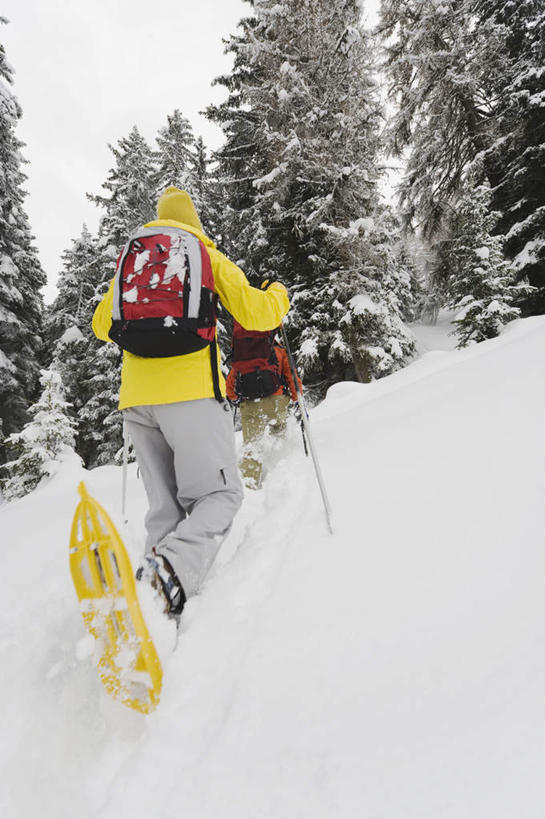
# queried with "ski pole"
point(124, 478)
point(306, 429)
point(305, 447)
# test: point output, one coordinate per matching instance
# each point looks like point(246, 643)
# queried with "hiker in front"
point(261, 382)
point(161, 309)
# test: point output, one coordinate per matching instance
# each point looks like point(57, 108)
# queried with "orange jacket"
point(285, 373)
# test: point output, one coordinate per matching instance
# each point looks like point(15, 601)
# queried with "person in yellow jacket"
point(182, 436)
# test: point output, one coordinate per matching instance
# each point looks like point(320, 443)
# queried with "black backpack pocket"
point(257, 384)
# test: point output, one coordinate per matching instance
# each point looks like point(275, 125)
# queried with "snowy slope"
point(394, 670)
point(438, 336)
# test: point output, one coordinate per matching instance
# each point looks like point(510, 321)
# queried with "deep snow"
point(393, 670)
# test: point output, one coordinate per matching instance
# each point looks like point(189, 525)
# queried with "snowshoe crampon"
point(128, 665)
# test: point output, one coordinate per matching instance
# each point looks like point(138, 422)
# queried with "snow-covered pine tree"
point(71, 360)
point(183, 162)
point(43, 440)
point(77, 282)
point(300, 168)
point(100, 420)
point(431, 264)
point(100, 424)
point(436, 65)
point(21, 275)
point(207, 194)
point(468, 82)
point(176, 152)
point(132, 185)
point(372, 296)
point(132, 188)
point(482, 287)
point(518, 153)
point(69, 329)
point(241, 159)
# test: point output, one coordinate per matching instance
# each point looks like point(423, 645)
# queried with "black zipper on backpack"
point(186, 293)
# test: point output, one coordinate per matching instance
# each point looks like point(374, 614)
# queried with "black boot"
point(157, 570)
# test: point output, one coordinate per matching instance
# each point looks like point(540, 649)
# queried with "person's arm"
point(285, 370)
point(254, 309)
point(102, 318)
point(230, 386)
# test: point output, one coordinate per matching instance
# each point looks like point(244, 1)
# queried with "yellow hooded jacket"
point(189, 377)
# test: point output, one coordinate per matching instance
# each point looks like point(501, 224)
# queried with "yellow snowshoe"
point(128, 664)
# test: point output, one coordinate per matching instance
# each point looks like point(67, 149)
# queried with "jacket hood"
point(177, 205)
point(175, 224)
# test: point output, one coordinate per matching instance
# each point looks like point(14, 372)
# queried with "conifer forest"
point(317, 111)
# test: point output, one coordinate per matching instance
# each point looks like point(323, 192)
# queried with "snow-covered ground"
point(438, 336)
point(394, 670)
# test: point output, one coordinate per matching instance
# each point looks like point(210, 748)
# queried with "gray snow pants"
point(187, 457)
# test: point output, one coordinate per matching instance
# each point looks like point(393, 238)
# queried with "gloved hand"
point(296, 409)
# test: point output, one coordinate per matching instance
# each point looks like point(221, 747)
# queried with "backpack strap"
point(215, 374)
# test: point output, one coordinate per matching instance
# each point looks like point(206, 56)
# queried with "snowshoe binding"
point(158, 572)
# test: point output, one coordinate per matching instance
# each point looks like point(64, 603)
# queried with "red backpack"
point(255, 364)
point(164, 299)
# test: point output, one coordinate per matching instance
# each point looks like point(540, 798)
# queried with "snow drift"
point(394, 669)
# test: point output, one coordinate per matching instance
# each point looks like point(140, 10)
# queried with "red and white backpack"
point(164, 297)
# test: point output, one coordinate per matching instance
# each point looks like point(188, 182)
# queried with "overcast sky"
point(86, 71)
